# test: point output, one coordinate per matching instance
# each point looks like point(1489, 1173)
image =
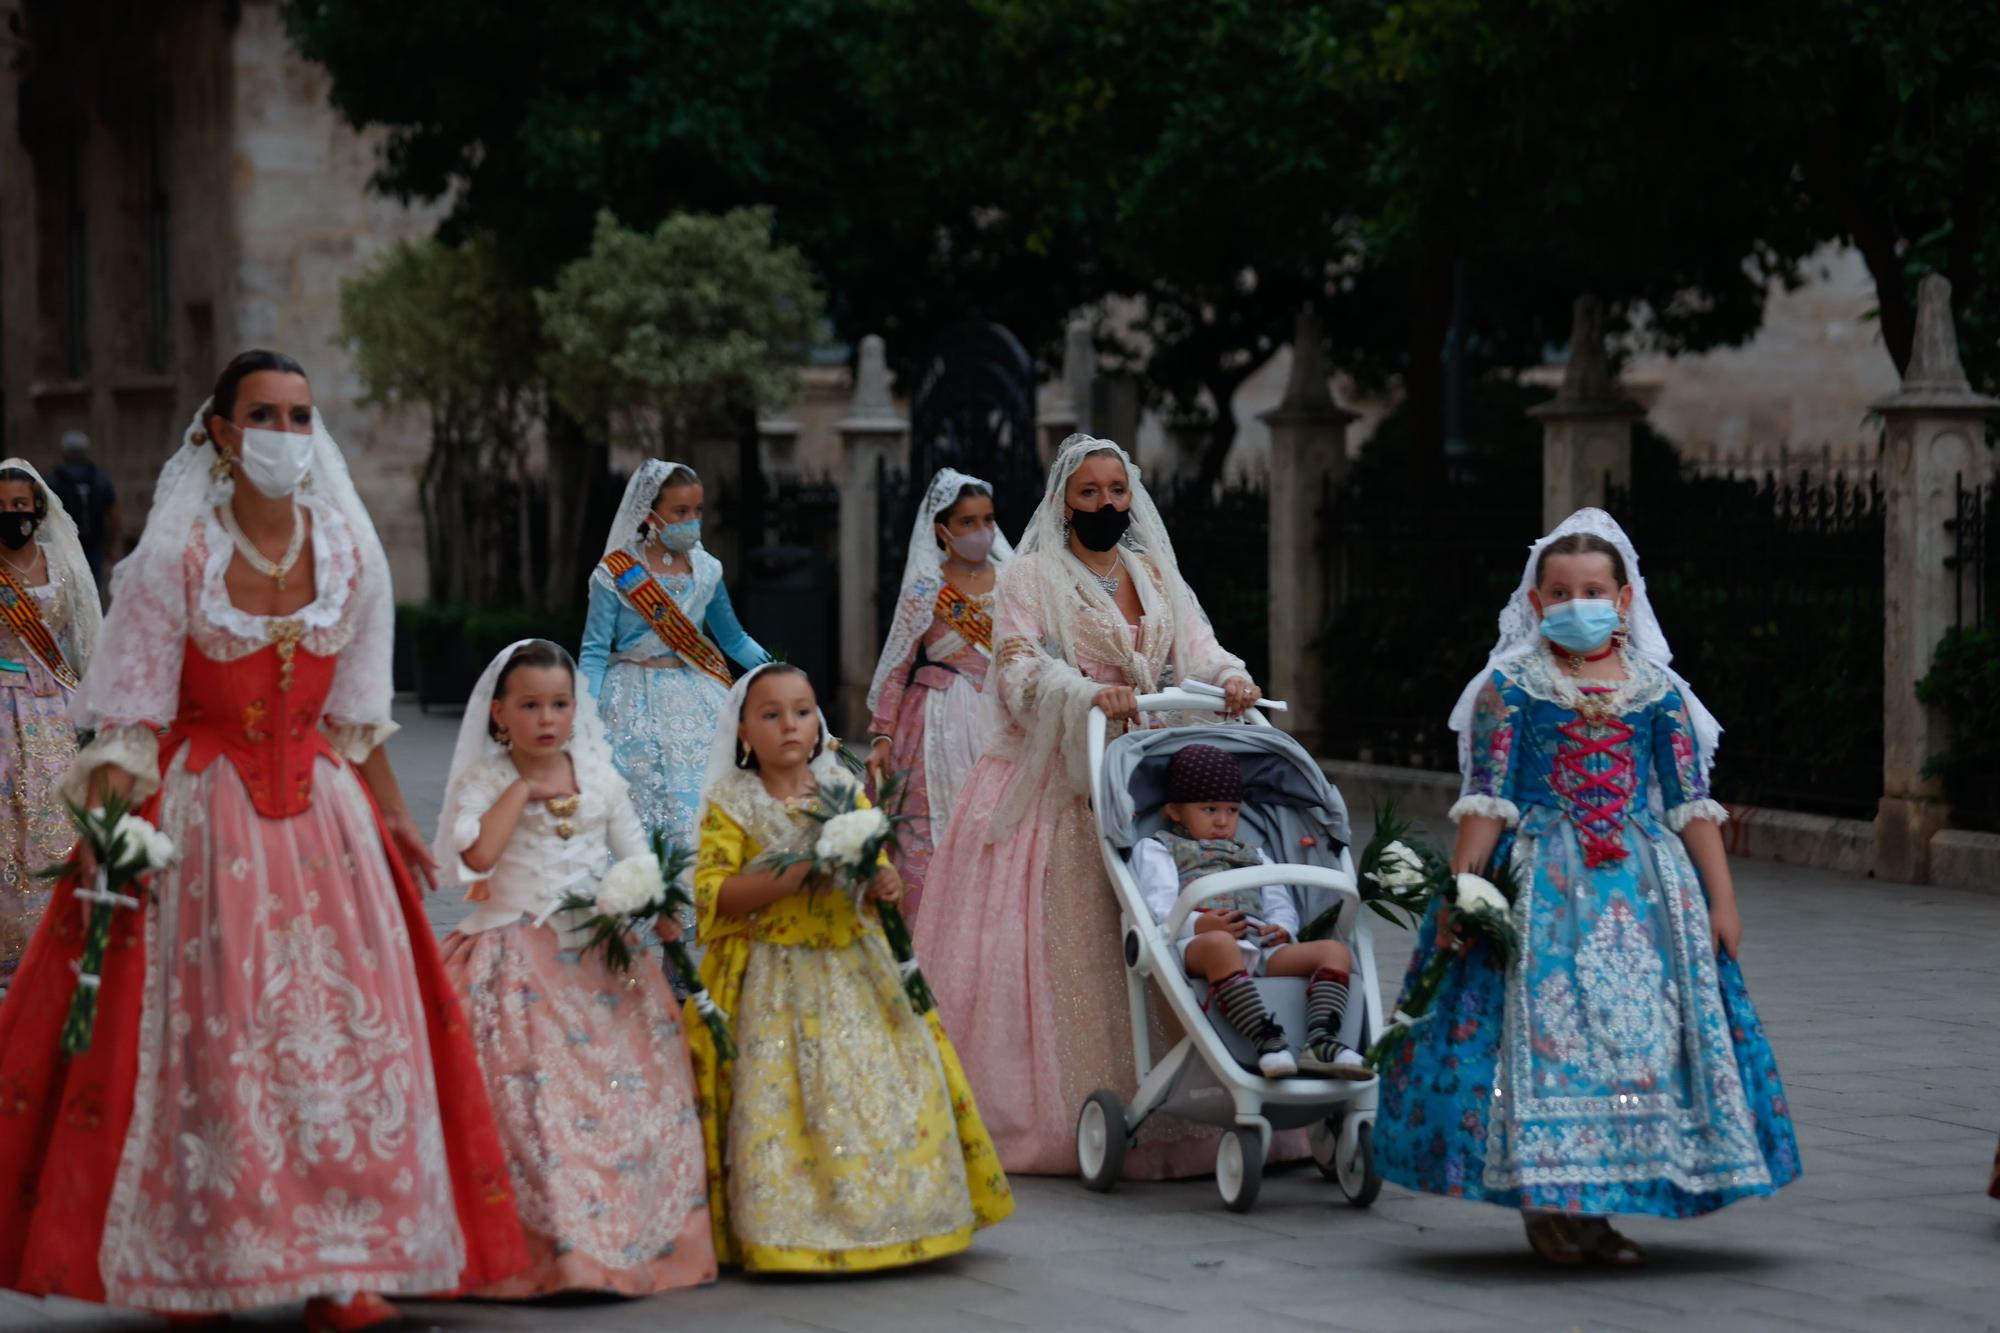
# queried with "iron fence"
point(1221, 537)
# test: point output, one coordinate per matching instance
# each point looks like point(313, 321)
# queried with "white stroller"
point(1299, 820)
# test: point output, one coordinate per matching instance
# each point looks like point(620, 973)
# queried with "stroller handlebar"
point(1166, 701)
point(1253, 877)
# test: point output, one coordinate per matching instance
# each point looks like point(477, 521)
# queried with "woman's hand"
point(1118, 703)
point(877, 763)
point(1239, 695)
point(886, 887)
point(410, 845)
point(1725, 924)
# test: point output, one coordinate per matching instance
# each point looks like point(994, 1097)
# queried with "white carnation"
point(844, 839)
point(1398, 867)
point(631, 887)
point(143, 846)
point(1475, 894)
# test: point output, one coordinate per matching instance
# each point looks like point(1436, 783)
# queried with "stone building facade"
point(173, 189)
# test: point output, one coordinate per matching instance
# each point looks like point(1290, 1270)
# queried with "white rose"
point(1474, 894)
point(843, 839)
point(631, 887)
point(145, 847)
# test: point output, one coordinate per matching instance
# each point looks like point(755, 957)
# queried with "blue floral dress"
point(1618, 1066)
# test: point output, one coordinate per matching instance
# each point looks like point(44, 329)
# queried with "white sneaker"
point(1277, 1064)
point(1330, 1059)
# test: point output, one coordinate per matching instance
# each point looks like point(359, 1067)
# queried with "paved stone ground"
point(1883, 1003)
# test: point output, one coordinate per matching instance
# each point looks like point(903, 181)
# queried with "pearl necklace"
point(279, 569)
point(29, 572)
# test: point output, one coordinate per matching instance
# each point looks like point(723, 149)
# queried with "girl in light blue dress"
point(657, 645)
point(1617, 1065)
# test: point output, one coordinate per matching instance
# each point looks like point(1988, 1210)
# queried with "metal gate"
point(974, 409)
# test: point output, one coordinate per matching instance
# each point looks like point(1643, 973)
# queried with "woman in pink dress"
point(926, 721)
point(260, 1117)
point(1019, 932)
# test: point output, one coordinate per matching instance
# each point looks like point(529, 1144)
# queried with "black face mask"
point(17, 530)
point(1099, 529)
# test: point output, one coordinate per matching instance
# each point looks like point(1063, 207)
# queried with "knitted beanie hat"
point(1200, 773)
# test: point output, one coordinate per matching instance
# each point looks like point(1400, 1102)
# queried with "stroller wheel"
point(1354, 1161)
point(1100, 1140)
point(1239, 1169)
point(1322, 1137)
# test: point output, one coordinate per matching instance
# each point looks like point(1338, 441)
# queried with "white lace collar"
point(334, 563)
point(1541, 678)
point(772, 823)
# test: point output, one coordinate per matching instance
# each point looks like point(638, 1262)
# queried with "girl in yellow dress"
point(843, 1137)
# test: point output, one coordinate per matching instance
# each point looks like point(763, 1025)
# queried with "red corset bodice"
point(262, 712)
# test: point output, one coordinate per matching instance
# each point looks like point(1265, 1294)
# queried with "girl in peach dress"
point(587, 1067)
point(1019, 933)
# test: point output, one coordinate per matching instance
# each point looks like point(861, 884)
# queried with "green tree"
point(661, 337)
point(451, 331)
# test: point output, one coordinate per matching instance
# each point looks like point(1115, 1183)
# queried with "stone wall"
point(304, 220)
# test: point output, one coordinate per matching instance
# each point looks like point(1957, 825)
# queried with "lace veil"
point(1520, 634)
point(59, 542)
point(640, 494)
point(135, 675)
point(1046, 575)
point(588, 749)
point(722, 772)
point(923, 573)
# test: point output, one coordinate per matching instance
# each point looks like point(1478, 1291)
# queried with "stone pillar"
point(1587, 426)
point(1072, 412)
point(871, 434)
point(778, 447)
point(1935, 431)
point(1308, 453)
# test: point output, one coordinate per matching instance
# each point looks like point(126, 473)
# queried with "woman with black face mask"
point(49, 619)
point(1019, 933)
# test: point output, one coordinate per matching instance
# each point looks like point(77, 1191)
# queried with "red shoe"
point(365, 1311)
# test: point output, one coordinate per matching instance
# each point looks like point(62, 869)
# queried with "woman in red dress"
point(261, 1115)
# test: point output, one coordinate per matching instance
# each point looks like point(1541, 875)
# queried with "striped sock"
point(1244, 1008)
point(1326, 1003)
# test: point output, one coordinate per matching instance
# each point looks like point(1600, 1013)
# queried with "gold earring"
point(219, 470)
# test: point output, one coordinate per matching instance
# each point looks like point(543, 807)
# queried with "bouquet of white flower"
point(1398, 873)
point(1482, 909)
point(851, 844)
point(635, 892)
point(128, 849)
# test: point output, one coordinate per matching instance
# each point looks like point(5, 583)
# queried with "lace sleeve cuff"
point(357, 740)
point(1681, 816)
point(1492, 807)
point(135, 748)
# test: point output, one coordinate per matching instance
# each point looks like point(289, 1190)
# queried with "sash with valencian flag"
point(963, 614)
point(20, 613)
point(637, 586)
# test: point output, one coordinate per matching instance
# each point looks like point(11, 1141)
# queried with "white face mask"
point(276, 461)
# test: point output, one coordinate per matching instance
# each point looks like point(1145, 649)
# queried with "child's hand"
point(1275, 935)
point(886, 887)
point(1235, 923)
point(1725, 923)
point(668, 928)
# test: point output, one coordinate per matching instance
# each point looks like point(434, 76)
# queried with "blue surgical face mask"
point(1580, 625)
point(682, 536)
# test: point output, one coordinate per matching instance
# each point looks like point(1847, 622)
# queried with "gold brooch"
point(564, 809)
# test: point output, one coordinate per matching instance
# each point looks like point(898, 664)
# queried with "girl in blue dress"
point(1617, 1066)
point(654, 645)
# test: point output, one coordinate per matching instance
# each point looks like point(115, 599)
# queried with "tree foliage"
point(451, 331)
point(681, 329)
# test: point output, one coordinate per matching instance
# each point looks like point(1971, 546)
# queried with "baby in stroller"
point(1250, 933)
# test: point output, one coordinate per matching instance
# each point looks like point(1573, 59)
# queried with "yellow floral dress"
point(843, 1137)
